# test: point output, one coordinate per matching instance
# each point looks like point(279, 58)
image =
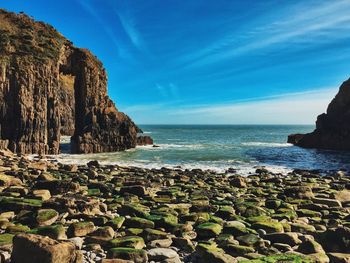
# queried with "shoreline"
point(172, 215)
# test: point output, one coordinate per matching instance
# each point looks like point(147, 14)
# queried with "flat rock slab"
point(29, 248)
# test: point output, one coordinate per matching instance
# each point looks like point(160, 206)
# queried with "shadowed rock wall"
point(332, 128)
point(50, 88)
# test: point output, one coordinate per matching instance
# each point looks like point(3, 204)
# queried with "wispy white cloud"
point(129, 26)
point(292, 108)
point(305, 23)
point(123, 51)
point(169, 91)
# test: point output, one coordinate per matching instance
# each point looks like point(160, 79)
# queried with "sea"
point(219, 148)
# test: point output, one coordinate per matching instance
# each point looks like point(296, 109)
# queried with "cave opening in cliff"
point(67, 110)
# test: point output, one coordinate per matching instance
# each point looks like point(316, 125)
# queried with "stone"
point(238, 250)
point(46, 217)
point(29, 248)
point(138, 190)
point(54, 231)
point(135, 255)
point(328, 202)
point(127, 241)
point(42, 194)
point(208, 230)
point(339, 257)
point(235, 228)
point(81, 229)
point(138, 222)
point(115, 260)
point(144, 140)
point(237, 181)
point(299, 192)
point(160, 254)
point(289, 238)
point(310, 247)
point(269, 227)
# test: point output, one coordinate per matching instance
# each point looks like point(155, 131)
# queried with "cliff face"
point(332, 128)
point(49, 88)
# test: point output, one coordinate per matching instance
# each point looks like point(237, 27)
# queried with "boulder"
point(332, 128)
point(30, 248)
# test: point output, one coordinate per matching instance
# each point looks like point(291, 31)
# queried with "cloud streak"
point(293, 108)
point(307, 23)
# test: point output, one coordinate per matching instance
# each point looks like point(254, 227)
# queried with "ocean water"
point(219, 147)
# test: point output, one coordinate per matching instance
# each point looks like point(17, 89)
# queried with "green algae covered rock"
point(269, 227)
point(138, 222)
point(53, 231)
point(6, 239)
point(81, 229)
point(127, 241)
point(286, 258)
point(136, 255)
point(46, 217)
point(208, 230)
point(116, 222)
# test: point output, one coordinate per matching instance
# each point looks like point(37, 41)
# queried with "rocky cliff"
point(49, 88)
point(332, 128)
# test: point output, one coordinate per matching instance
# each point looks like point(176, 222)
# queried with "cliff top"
point(21, 35)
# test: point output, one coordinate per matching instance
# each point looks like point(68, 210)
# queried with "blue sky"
point(204, 61)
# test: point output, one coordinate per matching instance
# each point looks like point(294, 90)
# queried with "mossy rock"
point(16, 204)
point(208, 230)
point(54, 231)
point(269, 227)
point(303, 228)
point(134, 210)
point(154, 234)
point(94, 192)
point(138, 222)
point(46, 217)
point(280, 259)
point(255, 219)
point(127, 241)
point(215, 219)
point(308, 213)
point(162, 220)
point(225, 212)
point(238, 250)
point(116, 222)
point(81, 229)
point(15, 229)
point(136, 255)
point(6, 239)
point(235, 228)
point(134, 231)
point(249, 239)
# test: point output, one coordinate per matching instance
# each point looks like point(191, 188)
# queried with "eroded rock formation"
point(49, 88)
point(332, 128)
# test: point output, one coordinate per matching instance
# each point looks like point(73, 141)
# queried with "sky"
point(210, 62)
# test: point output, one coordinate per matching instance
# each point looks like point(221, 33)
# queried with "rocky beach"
point(98, 207)
point(52, 212)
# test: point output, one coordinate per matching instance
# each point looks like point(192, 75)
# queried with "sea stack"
point(332, 128)
point(49, 88)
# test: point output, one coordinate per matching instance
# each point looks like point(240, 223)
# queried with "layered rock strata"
point(49, 88)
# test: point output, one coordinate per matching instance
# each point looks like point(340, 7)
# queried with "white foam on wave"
point(267, 144)
point(163, 146)
point(242, 168)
